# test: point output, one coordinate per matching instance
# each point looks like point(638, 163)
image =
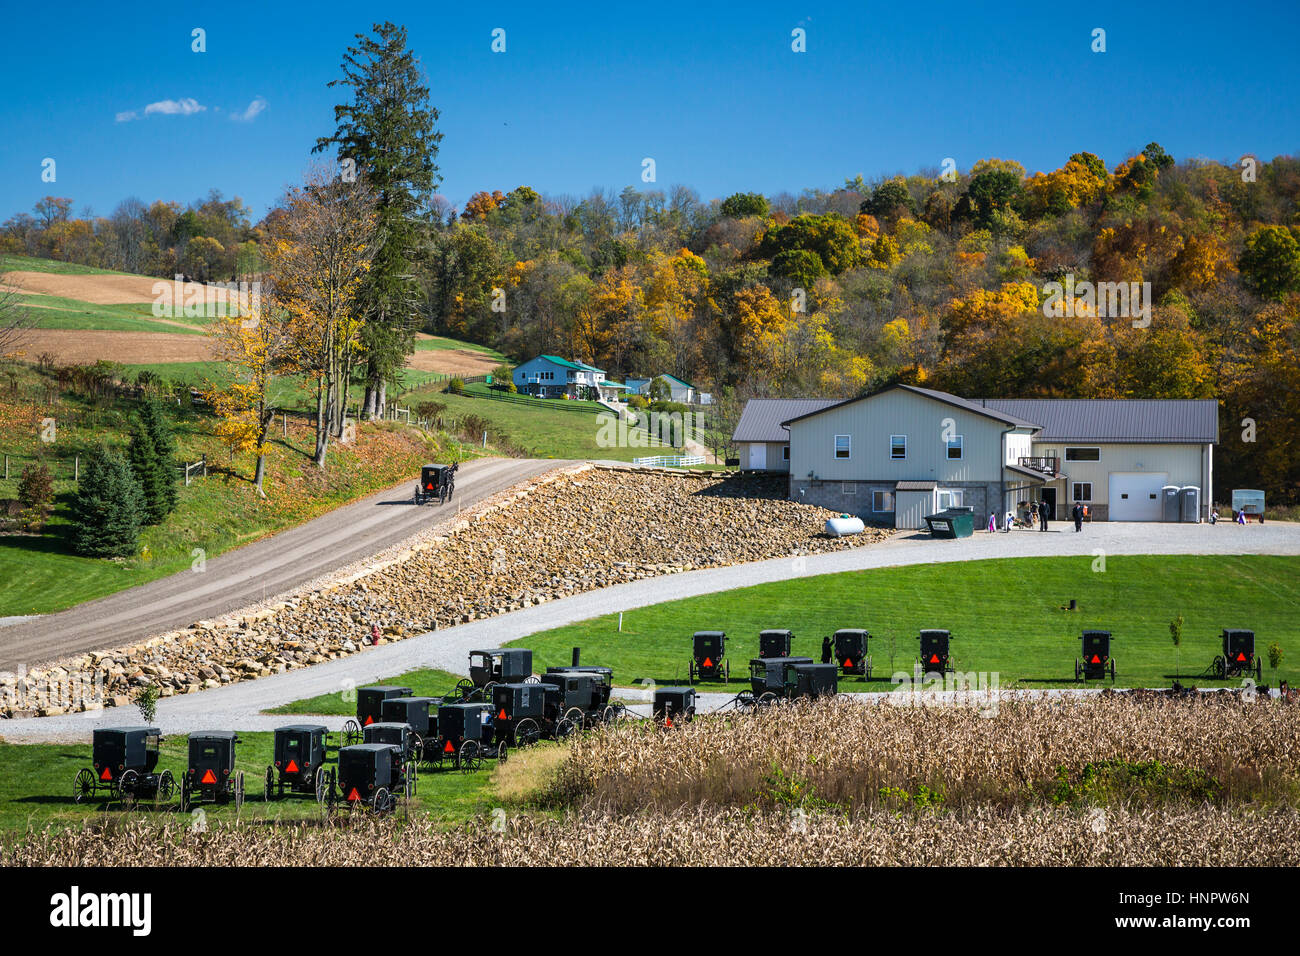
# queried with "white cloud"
point(248, 115)
point(127, 115)
point(185, 107)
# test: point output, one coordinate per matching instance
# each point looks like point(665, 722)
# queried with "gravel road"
point(238, 706)
point(256, 571)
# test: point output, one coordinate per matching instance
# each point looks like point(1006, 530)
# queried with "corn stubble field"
point(1124, 779)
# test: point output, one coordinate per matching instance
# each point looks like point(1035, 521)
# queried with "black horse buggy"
point(496, 665)
point(774, 643)
point(520, 712)
point(580, 697)
point(125, 761)
point(708, 660)
point(466, 735)
point(1096, 657)
point(436, 481)
point(767, 678)
point(674, 703)
point(300, 752)
point(418, 713)
point(211, 776)
point(851, 651)
point(812, 680)
point(370, 708)
point(935, 658)
point(1238, 655)
point(371, 775)
point(398, 735)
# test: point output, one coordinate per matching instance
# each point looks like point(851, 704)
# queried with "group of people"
point(1037, 513)
point(1239, 517)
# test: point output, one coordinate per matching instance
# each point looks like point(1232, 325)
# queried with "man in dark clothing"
point(826, 650)
point(1077, 514)
point(1042, 516)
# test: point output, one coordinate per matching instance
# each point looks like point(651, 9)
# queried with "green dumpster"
point(952, 523)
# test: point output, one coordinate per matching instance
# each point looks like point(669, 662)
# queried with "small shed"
point(913, 500)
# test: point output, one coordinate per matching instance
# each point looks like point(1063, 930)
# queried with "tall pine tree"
point(152, 455)
point(107, 508)
point(388, 132)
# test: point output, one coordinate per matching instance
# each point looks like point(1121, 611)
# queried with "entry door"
point(1135, 495)
point(1048, 497)
point(757, 456)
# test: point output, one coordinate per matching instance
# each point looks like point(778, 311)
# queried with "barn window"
point(897, 446)
point(842, 446)
point(1083, 454)
point(882, 501)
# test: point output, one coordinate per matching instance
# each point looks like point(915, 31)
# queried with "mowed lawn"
point(425, 682)
point(37, 783)
point(1006, 616)
point(537, 427)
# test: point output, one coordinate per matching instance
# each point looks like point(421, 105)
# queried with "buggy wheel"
point(564, 728)
point(503, 752)
point(270, 784)
point(380, 802)
point(575, 716)
point(185, 794)
point(691, 672)
point(1112, 670)
point(166, 787)
point(1220, 667)
point(532, 679)
point(465, 687)
point(487, 690)
point(83, 788)
point(127, 785)
point(417, 748)
point(322, 785)
point(726, 677)
point(1077, 669)
point(1259, 670)
point(768, 699)
point(239, 789)
point(351, 733)
point(469, 758)
point(527, 732)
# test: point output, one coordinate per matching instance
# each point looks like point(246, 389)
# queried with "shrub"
point(455, 385)
point(36, 495)
point(107, 507)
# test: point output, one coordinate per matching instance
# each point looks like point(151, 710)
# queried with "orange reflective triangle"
point(1240, 656)
point(449, 749)
point(107, 774)
point(354, 795)
point(292, 768)
point(429, 486)
point(369, 721)
point(847, 662)
point(708, 662)
point(668, 722)
point(502, 715)
point(934, 658)
point(1095, 659)
point(208, 777)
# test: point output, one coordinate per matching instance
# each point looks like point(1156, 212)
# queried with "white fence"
point(669, 461)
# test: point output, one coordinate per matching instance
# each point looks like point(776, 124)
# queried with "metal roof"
point(761, 420)
point(1148, 420)
point(915, 486)
point(979, 409)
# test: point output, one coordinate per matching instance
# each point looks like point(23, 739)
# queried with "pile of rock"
point(581, 530)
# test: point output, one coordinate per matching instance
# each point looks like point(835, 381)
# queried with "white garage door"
point(1135, 495)
point(757, 456)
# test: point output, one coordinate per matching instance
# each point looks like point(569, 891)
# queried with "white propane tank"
point(844, 525)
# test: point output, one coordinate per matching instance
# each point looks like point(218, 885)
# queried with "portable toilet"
point(1190, 496)
point(1170, 509)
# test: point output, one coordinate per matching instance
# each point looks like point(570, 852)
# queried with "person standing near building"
point(1077, 514)
point(1042, 516)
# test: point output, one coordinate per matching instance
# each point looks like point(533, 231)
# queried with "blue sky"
point(583, 93)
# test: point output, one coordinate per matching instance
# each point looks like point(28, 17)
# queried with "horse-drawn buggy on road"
point(436, 481)
point(300, 752)
point(373, 776)
point(1238, 657)
point(495, 665)
point(211, 775)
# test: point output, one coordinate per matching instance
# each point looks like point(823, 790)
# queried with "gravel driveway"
point(237, 706)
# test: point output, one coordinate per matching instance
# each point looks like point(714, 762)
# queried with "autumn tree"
point(1270, 262)
point(318, 255)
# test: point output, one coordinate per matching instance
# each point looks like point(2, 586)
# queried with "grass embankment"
point(1006, 616)
point(426, 682)
point(215, 514)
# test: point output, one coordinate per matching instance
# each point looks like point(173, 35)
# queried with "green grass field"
point(37, 782)
point(1005, 617)
point(14, 263)
point(538, 428)
point(434, 343)
point(54, 312)
point(423, 683)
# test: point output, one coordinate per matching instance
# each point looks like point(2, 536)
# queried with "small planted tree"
point(1275, 655)
point(1176, 634)
point(36, 495)
point(159, 427)
point(107, 507)
point(147, 702)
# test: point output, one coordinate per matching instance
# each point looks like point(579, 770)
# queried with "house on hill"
point(549, 376)
point(678, 391)
point(904, 452)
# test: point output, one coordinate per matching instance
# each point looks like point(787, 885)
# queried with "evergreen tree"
point(151, 454)
point(159, 428)
point(107, 507)
point(388, 131)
